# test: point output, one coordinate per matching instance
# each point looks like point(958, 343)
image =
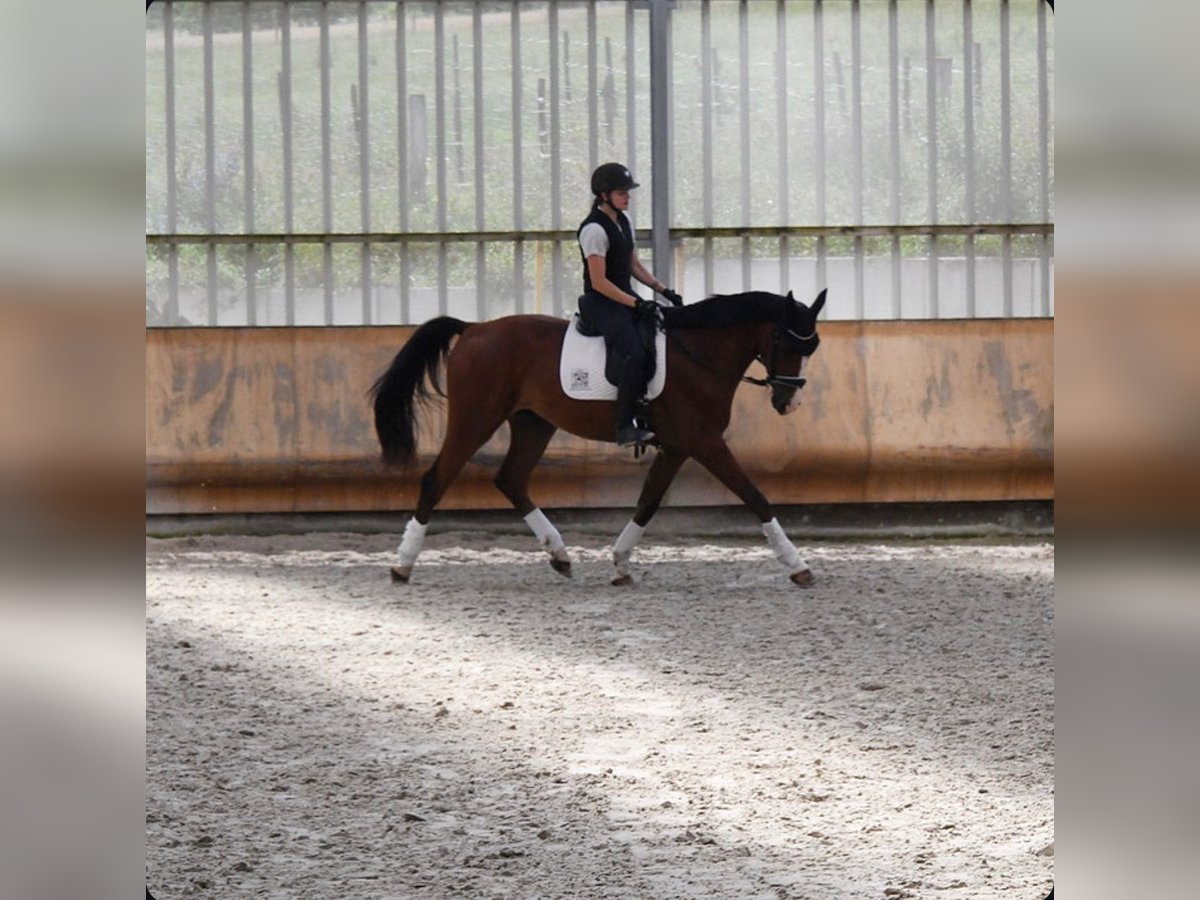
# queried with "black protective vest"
point(620, 249)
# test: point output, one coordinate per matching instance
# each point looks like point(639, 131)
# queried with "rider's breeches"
point(617, 325)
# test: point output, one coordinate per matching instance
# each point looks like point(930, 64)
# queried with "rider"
point(608, 304)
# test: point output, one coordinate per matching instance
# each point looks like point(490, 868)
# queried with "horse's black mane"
point(725, 310)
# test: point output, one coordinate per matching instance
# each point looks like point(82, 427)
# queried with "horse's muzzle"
point(786, 399)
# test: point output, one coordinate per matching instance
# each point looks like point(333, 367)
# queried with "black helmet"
point(612, 177)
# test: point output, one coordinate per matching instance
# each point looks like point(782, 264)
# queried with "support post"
point(660, 137)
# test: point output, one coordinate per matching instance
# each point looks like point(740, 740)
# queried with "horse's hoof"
point(401, 574)
point(622, 581)
point(803, 578)
point(561, 566)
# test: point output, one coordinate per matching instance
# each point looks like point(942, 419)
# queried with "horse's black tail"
point(397, 391)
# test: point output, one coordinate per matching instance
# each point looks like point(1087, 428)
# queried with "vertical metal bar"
point(856, 117)
point(364, 159)
point(819, 130)
point(539, 268)
point(210, 165)
point(566, 64)
point(555, 145)
point(172, 317)
point(669, 138)
point(781, 117)
point(630, 102)
point(744, 128)
point(592, 99)
point(439, 69)
point(481, 308)
point(518, 180)
point(402, 152)
point(211, 260)
point(932, 146)
point(285, 121)
point(457, 107)
point(894, 157)
point(172, 174)
point(326, 161)
point(555, 162)
point(857, 132)
point(1006, 153)
point(1044, 145)
point(706, 68)
point(519, 276)
point(681, 267)
point(556, 257)
point(251, 266)
point(169, 111)
point(660, 137)
point(209, 116)
point(969, 149)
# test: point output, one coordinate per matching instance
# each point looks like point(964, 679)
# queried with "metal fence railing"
point(375, 161)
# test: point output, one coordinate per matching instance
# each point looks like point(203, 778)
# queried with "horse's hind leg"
point(662, 472)
point(530, 435)
point(466, 432)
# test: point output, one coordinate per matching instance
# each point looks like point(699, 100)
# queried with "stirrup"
point(632, 434)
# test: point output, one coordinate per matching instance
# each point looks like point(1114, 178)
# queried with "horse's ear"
point(819, 302)
point(790, 297)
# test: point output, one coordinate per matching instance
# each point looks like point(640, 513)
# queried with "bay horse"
point(507, 369)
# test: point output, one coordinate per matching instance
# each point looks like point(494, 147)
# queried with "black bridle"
point(777, 337)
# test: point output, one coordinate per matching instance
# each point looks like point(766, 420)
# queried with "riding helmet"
point(612, 177)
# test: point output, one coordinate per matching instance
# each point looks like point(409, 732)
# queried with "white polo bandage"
point(627, 540)
point(411, 543)
point(546, 534)
point(782, 547)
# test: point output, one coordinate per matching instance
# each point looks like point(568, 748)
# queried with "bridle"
point(792, 381)
point(777, 336)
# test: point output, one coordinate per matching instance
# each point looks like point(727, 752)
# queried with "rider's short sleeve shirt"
point(593, 240)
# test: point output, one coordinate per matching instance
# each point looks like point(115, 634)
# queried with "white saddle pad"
point(581, 366)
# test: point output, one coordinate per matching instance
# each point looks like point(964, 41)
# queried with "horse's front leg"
point(719, 460)
point(662, 472)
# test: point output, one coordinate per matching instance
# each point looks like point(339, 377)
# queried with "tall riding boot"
point(627, 394)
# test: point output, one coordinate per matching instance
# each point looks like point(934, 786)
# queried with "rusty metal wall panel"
point(277, 419)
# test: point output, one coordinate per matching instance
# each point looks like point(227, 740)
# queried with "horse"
point(507, 369)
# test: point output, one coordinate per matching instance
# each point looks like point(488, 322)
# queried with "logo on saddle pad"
point(581, 367)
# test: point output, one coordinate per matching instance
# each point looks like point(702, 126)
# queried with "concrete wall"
point(277, 420)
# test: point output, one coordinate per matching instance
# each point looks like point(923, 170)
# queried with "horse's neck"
point(733, 349)
point(731, 328)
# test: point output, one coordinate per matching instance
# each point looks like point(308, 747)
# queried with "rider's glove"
point(675, 299)
point(647, 310)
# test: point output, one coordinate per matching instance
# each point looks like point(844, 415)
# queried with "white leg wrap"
point(623, 548)
point(782, 547)
point(410, 545)
point(546, 534)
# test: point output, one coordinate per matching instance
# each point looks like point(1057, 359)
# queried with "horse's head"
point(792, 343)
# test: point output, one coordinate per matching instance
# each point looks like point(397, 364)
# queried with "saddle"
point(588, 372)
